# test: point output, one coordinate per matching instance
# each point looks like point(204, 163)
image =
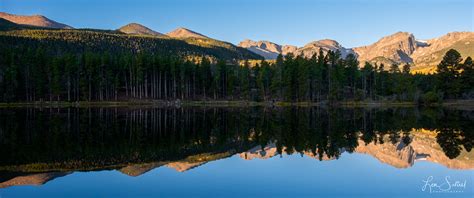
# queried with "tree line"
point(33, 74)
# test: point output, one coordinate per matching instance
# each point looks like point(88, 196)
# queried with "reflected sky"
point(286, 176)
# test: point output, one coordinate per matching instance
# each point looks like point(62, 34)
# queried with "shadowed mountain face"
point(135, 141)
point(56, 42)
point(8, 25)
point(135, 28)
point(35, 20)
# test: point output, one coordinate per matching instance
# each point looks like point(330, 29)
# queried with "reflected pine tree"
point(96, 138)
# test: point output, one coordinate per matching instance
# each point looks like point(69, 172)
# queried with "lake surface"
point(236, 152)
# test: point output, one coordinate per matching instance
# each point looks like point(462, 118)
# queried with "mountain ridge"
point(398, 48)
point(34, 20)
point(139, 29)
point(182, 32)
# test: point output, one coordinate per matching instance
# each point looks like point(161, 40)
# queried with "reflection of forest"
point(35, 141)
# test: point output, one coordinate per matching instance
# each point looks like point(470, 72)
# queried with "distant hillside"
point(132, 38)
point(135, 28)
point(34, 20)
point(77, 41)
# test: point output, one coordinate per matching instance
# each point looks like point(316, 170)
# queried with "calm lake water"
point(236, 152)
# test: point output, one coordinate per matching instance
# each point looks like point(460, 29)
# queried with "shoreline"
point(469, 104)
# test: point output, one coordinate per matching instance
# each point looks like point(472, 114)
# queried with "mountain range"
point(399, 48)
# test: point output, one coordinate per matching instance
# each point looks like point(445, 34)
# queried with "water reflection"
point(38, 145)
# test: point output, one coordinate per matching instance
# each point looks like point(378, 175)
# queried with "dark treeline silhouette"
point(58, 71)
point(91, 138)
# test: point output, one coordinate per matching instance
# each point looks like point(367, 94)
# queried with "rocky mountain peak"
point(267, 49)
point(325, 45)
point(328, 42)
point(185, 33)
point(135, 28)
point(247, 43)
point(395, 48)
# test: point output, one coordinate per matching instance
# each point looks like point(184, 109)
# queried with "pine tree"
point(11, 82)
point(351, 68)
point(289, 76)
point(244, 81)
point(277, 78)
point(448, 71)
point(206, 76)
point(406, 68)
point(394, 68)
point(264, 79)
point(467, 78)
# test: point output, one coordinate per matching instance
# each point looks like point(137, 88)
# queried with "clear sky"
point(351, 22)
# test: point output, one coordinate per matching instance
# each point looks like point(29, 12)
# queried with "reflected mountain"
point(38, 145)
point(423, 147)
point(140, 169)
point(35, 179)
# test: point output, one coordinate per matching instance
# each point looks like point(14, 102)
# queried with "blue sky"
point(351, 22)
